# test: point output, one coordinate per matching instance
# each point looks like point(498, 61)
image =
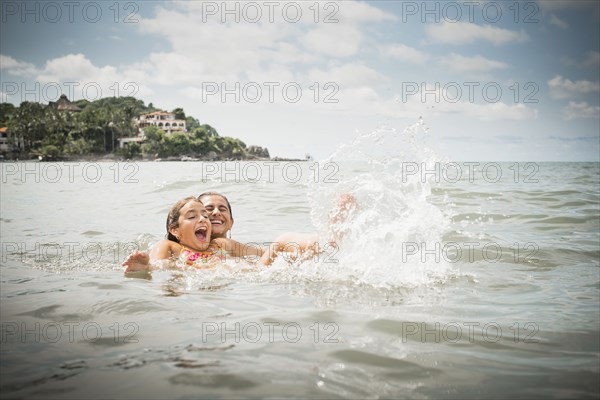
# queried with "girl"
point(188, 240)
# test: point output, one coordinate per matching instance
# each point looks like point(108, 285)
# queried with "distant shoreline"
point(117, 158)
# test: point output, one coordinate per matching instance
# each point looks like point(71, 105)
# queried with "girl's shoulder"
point(228, 245)
point(235, 248)
point(170, 245)
point(164, 249)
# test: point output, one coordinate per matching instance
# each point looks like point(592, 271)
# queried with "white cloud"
point(16, 68)
point(207, 51)
point(465, 33)
point(78, 76)
point(561, 88)
point(497, 111)
point(364, 101)
point(580, 110)
point(310, 13)
point(352, 99)
point(592, 59)
point(353, 12)
point(460, 63)
point(405, 53)
point(410, 106)
point(75, 67)
point(333, 40)
point(347, 76)
point(569, 62)
point(554, 20)
point(208, 34)
point(228, 49)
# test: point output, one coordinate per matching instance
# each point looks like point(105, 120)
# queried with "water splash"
point(395, 222)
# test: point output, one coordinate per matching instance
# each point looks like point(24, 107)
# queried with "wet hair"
point(175, 213)
point(220, 195)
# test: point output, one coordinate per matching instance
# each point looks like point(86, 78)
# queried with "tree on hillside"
point(191, 123)
point(6, 110)
point(233, 148)
point(210, 131)
point(28, 122)
point(179, 113)
point(83, 103)
point(177, 144)
point(199, 142)
point(154, 144)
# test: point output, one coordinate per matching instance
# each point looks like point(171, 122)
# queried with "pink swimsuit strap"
point(201, 258)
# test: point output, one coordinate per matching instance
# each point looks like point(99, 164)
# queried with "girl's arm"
point(302, 245)
point(138, 261)
point(296, 244)
point(162, 250)
point(237, 249)
point(141, 261)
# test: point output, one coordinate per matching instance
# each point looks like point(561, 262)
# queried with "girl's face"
point(219, 214)
point(193, 230)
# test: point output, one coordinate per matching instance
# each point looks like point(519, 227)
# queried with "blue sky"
point(494, 81)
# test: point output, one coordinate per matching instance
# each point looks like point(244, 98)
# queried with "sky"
point(493, 80)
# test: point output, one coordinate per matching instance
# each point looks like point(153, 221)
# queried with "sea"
point(451, 279)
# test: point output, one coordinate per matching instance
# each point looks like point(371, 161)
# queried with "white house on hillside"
point(162, 120)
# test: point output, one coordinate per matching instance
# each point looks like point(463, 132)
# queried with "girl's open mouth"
point(201, 234)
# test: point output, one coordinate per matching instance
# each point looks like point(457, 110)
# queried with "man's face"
point(219, 214)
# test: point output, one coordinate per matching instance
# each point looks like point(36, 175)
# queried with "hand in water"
point(340, 215)
point(137, 261)
point(300, 245)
